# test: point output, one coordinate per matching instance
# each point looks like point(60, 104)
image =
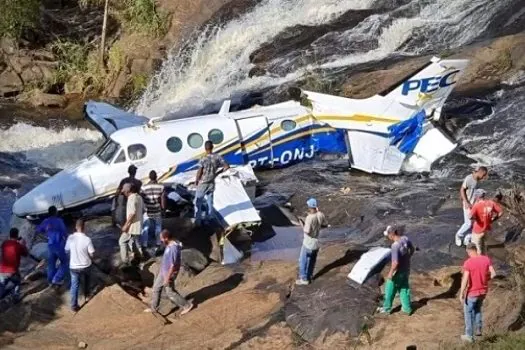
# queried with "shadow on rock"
point(216, 289)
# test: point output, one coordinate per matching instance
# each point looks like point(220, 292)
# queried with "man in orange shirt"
point(483, 213)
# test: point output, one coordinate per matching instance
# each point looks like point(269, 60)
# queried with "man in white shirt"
point(312, 225)
point(81, 252)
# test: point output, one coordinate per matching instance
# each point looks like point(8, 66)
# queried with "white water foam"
point(219, 61)
point(48, 147)
point(217, 64)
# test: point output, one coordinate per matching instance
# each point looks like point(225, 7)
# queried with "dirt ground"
point(241, 308)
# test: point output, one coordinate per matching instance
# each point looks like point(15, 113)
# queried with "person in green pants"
point(398, 277)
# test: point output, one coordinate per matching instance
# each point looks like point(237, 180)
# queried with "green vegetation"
point(511, 341)
point(17, 16)
point(143, 16)
point(78, 67)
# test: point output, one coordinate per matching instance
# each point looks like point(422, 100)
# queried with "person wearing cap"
point(132, 228)
point(477, 271)
point(483, 213)
point(397, 279)
point(466, 193)
point(308, 256)
point(118, 207)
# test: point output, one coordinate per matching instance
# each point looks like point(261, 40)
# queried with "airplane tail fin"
point(429, 87)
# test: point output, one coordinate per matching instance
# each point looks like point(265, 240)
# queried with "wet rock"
point(38, 98)
point(330, 305)
point(194, 259)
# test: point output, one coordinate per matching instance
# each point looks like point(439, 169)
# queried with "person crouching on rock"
point(81, 250)
point(56, 233)
point(397, 279)
point(483, 213)
point(165, 280)
point(308, 256)
point(477, 270)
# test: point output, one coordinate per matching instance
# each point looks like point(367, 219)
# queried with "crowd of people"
point(138, 208)
point(479, 214)
point(137, 211)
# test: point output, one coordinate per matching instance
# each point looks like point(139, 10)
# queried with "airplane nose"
point(31, 204)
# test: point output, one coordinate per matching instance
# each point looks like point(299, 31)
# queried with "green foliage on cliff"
point(143, 16)
point(17, 16)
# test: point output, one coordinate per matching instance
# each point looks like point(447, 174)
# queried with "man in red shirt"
point(483, 213)
point(12, 250)
point(477, 271)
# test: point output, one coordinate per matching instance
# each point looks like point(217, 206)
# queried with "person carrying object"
point(477, 271)
point(56, 233)
point(397, 280)
point(165, 280)
point(12, 250)
point(313, 223)
point(483, 213)
point(155, 201)
point(132, 228)
point(205, 181)
point(81, 250)
point(466, 193)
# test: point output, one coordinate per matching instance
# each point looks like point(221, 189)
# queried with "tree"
point(103, 37)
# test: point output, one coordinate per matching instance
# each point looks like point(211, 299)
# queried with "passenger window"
point(288, 125)
point(137, 151)
point(216, 136)
point(195, 140)
point(120, 158)
point(174, 144)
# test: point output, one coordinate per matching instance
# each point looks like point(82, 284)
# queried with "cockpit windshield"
point(107, 151)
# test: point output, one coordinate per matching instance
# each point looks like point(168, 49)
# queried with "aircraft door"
point(256, 141)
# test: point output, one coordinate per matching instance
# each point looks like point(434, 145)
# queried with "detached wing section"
point(108, 119)
point(394, 131)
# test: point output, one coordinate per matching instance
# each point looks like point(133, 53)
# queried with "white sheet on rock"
point(367, 262)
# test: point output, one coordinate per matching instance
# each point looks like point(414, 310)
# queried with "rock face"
point(491, 64)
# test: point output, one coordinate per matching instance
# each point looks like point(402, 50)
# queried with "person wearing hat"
point(118, 207)
point(466, 193)
point(483, 213)
point(308, 256)
point(477, 271)
point(397, 279)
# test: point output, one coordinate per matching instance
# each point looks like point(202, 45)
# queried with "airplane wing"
point(108, 119)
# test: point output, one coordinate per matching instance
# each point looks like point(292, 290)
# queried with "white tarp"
point(367, 263)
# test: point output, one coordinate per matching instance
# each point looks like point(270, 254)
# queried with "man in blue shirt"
point(169, 269)
point(56, 233)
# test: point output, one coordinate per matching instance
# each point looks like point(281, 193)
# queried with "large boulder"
point(10, 83)
point(38, 98)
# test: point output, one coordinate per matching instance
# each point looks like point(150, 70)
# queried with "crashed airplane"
point(384, 134)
